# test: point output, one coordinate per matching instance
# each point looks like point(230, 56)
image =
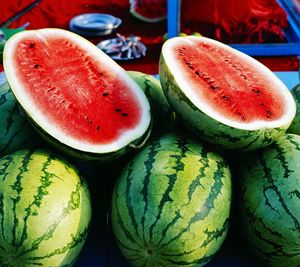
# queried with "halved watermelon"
point(76, 96)
point(225, 97)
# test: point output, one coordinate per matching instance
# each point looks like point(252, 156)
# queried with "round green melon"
point(224, 96)
point(75, 95)
point(295, 126)
point(170, 206)
point(270, 201)
point(15, 131)
point(45, 210)
point(163, 115)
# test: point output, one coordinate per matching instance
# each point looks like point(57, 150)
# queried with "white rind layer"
point(49, 127)
point(190, 90)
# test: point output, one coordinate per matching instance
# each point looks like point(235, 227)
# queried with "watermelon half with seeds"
point(223, 95)
point(77, 97)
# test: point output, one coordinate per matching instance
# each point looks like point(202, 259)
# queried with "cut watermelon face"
point(225, 84)
point(74, 92)
point(224, 95)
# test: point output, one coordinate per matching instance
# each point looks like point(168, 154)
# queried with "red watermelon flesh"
point(228, 82)
point(84, 95)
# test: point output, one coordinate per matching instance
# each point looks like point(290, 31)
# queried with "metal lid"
point(94, 24)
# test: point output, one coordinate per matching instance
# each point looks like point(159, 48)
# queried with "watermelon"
point(15, 131)
point(45, 210)
point(149, 10)
point(170, 206)
point(76, 96)
point(224, 96)
point(270, 201)
point(163, 115)
point(295, 126)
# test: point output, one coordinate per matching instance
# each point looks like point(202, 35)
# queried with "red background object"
point(229, 21)
point(58, 14)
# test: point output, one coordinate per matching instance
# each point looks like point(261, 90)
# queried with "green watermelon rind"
point(173, 201)
point(162, 114)
point(15, 131)
point(45, 211)
point(269, 202)
point(295, 126)
point(209, 129)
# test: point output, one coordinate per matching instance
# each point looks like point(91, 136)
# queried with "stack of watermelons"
point(187, 158)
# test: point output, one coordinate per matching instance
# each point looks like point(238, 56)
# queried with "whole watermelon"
point(45, 210)
point(171, 205)
point(295, 126)
point(15, 131)
point(270, 203)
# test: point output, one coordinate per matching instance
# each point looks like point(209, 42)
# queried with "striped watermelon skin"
point(15, 131)
point(270, 202)
point(295, 126)
point(163, 115)
point(209, 129)
point(171, 205)
point(45, 210)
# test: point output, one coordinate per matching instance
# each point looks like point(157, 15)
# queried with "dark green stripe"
point(207, 206)
point(120, 222)
point(73, 204)
point(169, 225)
point(181, 143)
point(17, 187)
point(2, 215)
point(129, 205)
point(3, 98)
point(5, 163)
point(10, 119)
point(45, 182)
point(196, 182)
point(268, 175)
point(295, 193)
point(253, 220)
point(76, 241)
point(204, 260)
point(215, 234)
point(125, 247)
point(283, 161)
point(153, 150)
point(292, 140)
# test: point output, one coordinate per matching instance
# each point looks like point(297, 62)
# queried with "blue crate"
point(292, 33)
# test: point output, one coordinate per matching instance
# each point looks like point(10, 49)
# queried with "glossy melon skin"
point(15, 131)
point(163, 115)
point(45, 210)
point(295, 126)
point(269, 203)
point(212, 129)
point(80, 100)
point(170, 206)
